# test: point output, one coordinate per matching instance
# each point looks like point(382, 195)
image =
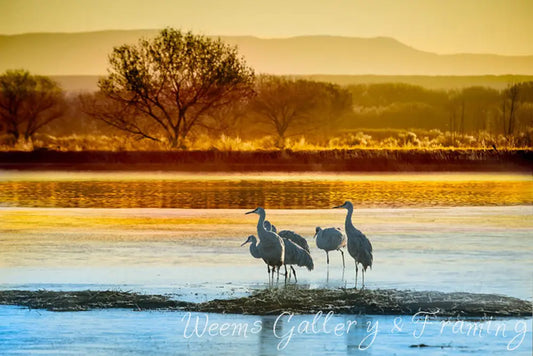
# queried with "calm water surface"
point(123, 332)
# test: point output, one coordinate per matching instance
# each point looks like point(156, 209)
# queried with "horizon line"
point(266, 38)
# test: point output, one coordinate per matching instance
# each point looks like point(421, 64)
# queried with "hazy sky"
point(442, 26)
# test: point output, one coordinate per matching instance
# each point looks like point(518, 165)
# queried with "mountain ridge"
point(86, 53)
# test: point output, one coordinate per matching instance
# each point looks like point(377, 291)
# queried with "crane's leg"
point(342, 253)
point(363, 272)
point(356, 272)
point(277, 280)
point(327, 256)
point(287, 275)
point(294, 271)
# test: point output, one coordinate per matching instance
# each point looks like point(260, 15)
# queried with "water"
point(173, 333)
point(452, 232)
point(485, 249)
point(272, 191)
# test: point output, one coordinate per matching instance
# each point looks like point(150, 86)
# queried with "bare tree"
point(226, 120)
point(511, 96)
point(334, 104)
point(281, 103)
point(165, 86)
point(294, 107)
point(28, 103)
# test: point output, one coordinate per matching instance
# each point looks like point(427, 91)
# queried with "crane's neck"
point(348, 223)
point(261, 224)
point(253, 247)
point(253, 244)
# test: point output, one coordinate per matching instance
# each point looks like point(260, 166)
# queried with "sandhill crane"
point(268, 225)
point(289, 235)
point(294, 255)
point(331, 239)
point(296, 238)
point(253, 249)
point(300, 241)
point(359, 246)
point(270, 246)
point(253, 246)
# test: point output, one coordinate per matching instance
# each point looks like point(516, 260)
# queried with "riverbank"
point(356, 160)
point(292, 299)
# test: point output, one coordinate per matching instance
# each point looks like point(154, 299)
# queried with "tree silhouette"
point(28, 103)
point(510, 98)
point(165, 86)
point(295, 107)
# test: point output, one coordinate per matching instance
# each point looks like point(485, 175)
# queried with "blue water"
point(103, 332)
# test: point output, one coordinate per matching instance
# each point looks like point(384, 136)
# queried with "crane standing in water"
point(271, 247)
point(359, 246)
point(294, 254)
point(252, 240)
point(330, 239)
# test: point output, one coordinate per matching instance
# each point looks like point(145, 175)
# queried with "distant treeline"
point(433, 82)
point(468, 110)
point(76, 84)
point(364, 107)
point(367, 115)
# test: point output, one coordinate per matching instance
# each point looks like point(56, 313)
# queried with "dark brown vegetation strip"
point(86, 300)
point(286, 160)
point(290, 299)
point(380, 302)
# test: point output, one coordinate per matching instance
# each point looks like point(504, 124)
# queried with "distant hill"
point(86, 54)
point(80, 83)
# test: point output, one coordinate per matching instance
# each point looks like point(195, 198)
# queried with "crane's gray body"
point(359, 246)
point(296, 238)
point(296, 249)
point(296, 255)
point(330, 239)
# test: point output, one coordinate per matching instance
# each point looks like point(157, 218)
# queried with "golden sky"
point(441, 26)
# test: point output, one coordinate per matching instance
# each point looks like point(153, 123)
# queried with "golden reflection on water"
point(234, 190)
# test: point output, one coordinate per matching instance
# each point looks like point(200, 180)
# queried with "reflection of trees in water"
point(269, 194)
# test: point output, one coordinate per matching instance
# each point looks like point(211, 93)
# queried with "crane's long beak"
point(249, 212)
point(244, 243)
point(337, 207)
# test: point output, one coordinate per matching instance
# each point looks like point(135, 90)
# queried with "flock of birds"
point(287, 248)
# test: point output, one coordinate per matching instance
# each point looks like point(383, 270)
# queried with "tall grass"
point(367, 139)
